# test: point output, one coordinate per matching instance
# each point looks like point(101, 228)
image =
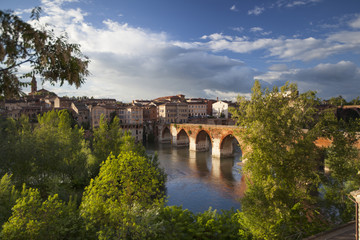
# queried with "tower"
point(33, 85)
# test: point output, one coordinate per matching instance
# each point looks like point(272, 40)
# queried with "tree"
point(337, 101)
point(126, 187)
point(110, 138)
point(49, 56)
point(62, 158)
point(343, 161)
point(355, 101)
point(282, 166)
point(8, 196)
point(33, 218)
point(52, 157)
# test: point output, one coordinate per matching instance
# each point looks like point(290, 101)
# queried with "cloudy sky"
point(143, 49)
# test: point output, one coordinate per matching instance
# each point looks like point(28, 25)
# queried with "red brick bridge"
point(220, 138)
point(202, 137)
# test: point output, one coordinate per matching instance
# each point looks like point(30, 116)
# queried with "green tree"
point(17, 149)
point(282, 165)
point(110, 138)
point(355, 101)
point(343, 161)
point(338, 101)
point(8, 196)
point(52, 157)
point(49, 56)
point(125, 188)
point(33, 218)
point(62, 157)
point(173, 222)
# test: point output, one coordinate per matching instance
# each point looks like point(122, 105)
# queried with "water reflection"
point(197, 181)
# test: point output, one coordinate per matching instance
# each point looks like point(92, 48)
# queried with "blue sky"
point(143, 49)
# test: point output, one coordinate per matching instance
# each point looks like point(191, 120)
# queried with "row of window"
point(197, 106)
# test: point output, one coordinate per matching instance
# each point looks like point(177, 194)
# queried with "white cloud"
point(256, 29)
point(278, 67)
point(295, 3)
point(129, 62)
point(233, 8)
point(327, 79)
point(256, 11)
point(226, 95)
point(301, 3)
point(355, 23)
point(238, 29)
point(303, 49)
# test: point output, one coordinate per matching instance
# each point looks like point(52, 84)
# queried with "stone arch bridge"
point(218, 138)
point(200, 137)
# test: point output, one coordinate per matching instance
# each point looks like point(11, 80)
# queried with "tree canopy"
point(126, 186)
point(51, 57)
point(283, 168)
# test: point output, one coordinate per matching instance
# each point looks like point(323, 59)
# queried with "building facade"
point(220, 109)
point(98, 110)
point(172, 112)
point(130, 114)
point(197, 109)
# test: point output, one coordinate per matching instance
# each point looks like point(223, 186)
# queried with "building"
point(98, 110)
point(197, 108)
point(176, 98)
point(172, 112)
point(136, 131)
point(130, 114)
point(62, 102)
point(101, 101)
point(209, 103)
point(149, 113)
point(81, 113)
point(220, 109)
point(29, 106)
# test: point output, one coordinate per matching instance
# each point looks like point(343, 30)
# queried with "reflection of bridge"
point(218, 138)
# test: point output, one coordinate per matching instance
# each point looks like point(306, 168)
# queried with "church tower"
point(33, 85)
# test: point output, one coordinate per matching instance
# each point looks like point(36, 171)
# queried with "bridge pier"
point(216, 151)
point(192, 144)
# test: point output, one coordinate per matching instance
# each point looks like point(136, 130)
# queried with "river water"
point(198, 181)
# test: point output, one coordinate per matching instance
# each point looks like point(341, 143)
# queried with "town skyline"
point(207, 49)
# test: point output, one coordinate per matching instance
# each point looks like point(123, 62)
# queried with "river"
point(197, 181)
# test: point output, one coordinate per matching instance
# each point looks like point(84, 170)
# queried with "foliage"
point(127, 184)
point(355, 101)
point(33, 218)
point(223, 225)
point(49, 56)
point(8, 196)
point(173, 222)
point(282, 166)
point(52, 156)
point(343, 161)
point(110, 138)
point(337, 101)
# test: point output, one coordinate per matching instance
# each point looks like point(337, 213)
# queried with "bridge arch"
point(182, 138)
point(228, 145)
point(348, 114)
point(203, 141)
point(166, 135)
